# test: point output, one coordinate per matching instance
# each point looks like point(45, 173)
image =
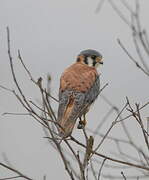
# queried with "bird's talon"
point(81, 124)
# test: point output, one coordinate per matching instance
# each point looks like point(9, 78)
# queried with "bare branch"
point(112, 125)
point(129, 55)
point(111, 159)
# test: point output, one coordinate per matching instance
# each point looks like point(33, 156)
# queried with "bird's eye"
point(93, 57)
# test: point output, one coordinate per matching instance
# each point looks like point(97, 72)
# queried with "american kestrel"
point(79, 87)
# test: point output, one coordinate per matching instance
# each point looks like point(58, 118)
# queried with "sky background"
point(50, 34)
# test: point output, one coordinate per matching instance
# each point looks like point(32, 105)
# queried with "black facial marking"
point(85, 60)
point(93, 57)
point(94, 62)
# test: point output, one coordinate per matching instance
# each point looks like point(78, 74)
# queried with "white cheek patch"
point(97, 65)
point(90, 61)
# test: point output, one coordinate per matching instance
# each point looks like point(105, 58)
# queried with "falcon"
point(79, 88)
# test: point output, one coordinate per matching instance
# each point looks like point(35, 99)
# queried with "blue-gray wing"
point(93, 92)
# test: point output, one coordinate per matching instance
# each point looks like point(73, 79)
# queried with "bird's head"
point(90, 57)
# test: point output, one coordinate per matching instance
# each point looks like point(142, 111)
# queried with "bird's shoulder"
point(78, 77)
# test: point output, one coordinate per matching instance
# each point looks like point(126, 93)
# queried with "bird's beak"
point(99, 60)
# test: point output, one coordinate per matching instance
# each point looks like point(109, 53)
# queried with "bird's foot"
point(81, 124)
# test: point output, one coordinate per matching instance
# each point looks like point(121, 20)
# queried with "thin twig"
point(119, 13)
point(16, 114)
point(130, 56)
point(16, 171)
point(112, 125)
point(93, 170)
point(13, 177)
point(99, 174)
point(30, 75)
point(95, 132)
point(99, 6)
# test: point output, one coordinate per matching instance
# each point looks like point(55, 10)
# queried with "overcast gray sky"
point(50, 34)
